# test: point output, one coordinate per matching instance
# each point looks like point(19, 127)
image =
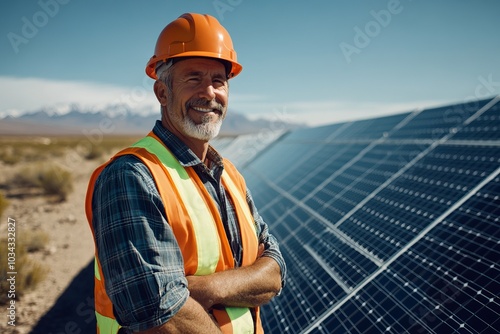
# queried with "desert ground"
point(62, 301)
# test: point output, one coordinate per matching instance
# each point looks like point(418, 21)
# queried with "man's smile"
point(204, 109)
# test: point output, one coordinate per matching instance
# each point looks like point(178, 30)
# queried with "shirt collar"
point(181, 151)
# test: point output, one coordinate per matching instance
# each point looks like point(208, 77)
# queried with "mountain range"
point(116, 120)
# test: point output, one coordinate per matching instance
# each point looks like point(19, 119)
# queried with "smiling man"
point(180, 246)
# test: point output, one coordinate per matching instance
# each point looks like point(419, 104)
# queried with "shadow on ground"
point(73, 312)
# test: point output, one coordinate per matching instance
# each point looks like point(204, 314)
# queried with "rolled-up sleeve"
point(271, 245)
point(139, 255)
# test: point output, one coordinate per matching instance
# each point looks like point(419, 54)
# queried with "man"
point(180, 247)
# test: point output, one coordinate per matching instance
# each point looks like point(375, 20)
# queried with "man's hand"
point(248, 286)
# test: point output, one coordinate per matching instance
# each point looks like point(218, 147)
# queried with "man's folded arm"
point(191, 318)
point(248, 286)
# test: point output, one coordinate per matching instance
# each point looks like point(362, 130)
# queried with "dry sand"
point(62, 302)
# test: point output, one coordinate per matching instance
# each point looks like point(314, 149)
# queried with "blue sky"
point(309, 61)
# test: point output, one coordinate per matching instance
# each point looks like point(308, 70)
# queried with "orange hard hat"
point(194, 35)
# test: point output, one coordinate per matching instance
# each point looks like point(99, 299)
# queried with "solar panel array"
point(387, 225)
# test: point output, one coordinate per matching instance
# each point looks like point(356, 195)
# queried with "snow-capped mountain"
point(113, 120)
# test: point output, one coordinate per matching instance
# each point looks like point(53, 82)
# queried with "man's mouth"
point(200, 109)
point(206, 110)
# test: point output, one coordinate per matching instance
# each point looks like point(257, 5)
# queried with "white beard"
point(206, 130)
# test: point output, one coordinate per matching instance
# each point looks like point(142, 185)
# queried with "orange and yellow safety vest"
point(197, 226)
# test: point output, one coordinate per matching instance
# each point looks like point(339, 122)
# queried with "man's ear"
point(160, 89)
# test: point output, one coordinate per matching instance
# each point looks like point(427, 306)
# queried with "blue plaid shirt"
point(139, 255)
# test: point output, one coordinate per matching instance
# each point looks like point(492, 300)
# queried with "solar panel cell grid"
point(368, 129)
point(438, 122)
point(311, 171)
point(286, 154)
point(345, 266)
point(263, 196)
point(485, 127)
point(437, 271)
point(382, 239)
point(320, 133)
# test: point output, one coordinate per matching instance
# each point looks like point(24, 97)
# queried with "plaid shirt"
point(139, 255)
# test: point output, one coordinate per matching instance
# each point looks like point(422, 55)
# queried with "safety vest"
point(197, 226)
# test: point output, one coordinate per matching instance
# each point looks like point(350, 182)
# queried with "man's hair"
point(164, 69)
point(164, 73)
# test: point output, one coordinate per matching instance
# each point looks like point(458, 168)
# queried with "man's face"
point(197, 103)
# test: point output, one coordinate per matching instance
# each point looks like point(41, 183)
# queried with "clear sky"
point(309, 61)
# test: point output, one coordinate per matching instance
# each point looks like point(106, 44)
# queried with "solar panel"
point(387, 225)
point(242, 149)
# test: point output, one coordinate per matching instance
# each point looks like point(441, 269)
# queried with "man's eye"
point(219, 82)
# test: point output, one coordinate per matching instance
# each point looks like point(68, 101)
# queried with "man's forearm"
point(249, 286)
point(191, 318)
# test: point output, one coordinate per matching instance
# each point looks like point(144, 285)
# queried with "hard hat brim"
point(236, 68)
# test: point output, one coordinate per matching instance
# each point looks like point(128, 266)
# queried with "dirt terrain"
point(62, 302)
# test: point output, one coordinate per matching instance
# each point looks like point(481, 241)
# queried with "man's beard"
point(207, 129)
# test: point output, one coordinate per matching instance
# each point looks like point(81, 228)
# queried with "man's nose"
point(207, 91)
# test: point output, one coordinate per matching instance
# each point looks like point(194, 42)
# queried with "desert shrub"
point(35, 149)
point(52, 179)
point(95, 152)
point(27, 177)
point(4, 203)
point(29, 272)
point(55, 180)
point(35, 241)
point(13, 152)
point(9, 158)
point(31, 149)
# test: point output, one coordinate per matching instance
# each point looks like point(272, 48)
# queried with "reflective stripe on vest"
point(241, 319)
point(242, 205)
point(105, 325)
point(96, 270)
